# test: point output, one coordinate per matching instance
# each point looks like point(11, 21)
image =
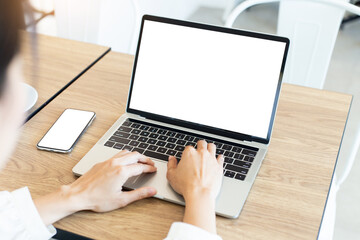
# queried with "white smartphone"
point(66, 131)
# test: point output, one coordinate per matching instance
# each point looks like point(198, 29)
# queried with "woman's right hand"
point(198, 177)
point(100, 189)
point(198, 171)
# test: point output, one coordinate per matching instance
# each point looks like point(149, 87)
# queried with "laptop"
point(192, 81)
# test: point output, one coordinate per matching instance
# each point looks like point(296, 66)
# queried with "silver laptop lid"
point(219, 80)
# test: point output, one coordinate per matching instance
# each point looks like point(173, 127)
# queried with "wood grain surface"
point(50, 63)
point(286, 201)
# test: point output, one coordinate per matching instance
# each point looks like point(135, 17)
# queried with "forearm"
point(57, 205)
point(200, 211)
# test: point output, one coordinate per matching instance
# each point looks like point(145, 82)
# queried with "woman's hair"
point(11, 21)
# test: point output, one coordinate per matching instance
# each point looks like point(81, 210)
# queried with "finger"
point(137, 169)
point(134, 195)
point(146, 160)
point(201, 144)
point(172, 163)
point(220, 159)
point(211, 148)
point(132, 157)
point(121, 153)
point(188, 148)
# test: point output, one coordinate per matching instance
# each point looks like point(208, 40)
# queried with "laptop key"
point(153, 130)
point(242, 164)
point(161, 150)
point(160, 143)
point(170, 145)
point(129, 148)
point(121, 134)
point(218, 145)
point(134, 143)
point(172, 140)
point(153, 135)
point(248, 159)
point(119, 140)
point(142, 139)
point(180, 135)
point(156, 155)
point(139, 150)
point(171, 152)
point(240, 177)
point(228, 154)
point(178, 155)
point(163, 138)
point(228, 160)
point(189, 138)
point(179, 148)
point(143, 127)
point(181, 142)
point(152, 148)
point(229, 174)
point(239, 156)
point(118, 146)
point(124, 129)
point(135, 131)
point(151, 141)
point(109, 144)
point(190, 144)
point(236, 149)
point(135, 125)
point(161, 131)
point(170, 134)
point(126, 123)
point(144, 133)
point(133, 137)
point(248, 152)
point(226, 147)
point(143, 145)
point(236, 169)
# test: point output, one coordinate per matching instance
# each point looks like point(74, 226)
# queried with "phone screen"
point(65, 132)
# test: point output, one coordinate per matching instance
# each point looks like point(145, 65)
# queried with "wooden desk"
point(58, 63)
point(286, 201)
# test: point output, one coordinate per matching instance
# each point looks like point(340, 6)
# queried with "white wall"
point(112, 22)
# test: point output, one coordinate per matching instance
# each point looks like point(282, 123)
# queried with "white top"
point(19, 219)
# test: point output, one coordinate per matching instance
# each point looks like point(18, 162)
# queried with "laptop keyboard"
point(161, 142)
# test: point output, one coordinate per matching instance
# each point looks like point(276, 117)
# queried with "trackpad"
point(157, 180)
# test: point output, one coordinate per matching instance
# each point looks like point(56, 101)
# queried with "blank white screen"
point(216, 79)
point(66, 129)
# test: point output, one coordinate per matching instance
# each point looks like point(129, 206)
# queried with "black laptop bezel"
point(200, 127)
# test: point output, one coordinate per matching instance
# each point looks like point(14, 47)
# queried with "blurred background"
point(115, 23)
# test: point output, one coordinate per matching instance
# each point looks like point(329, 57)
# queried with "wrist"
point(200, 209)
point(72, 199)
point(57, 205)
point(199, 194)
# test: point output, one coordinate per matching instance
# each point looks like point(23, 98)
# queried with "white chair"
point(312, 27)
point(112, 23)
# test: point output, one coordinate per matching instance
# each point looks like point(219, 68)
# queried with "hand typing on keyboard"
point(198, 178)
point(100, 189)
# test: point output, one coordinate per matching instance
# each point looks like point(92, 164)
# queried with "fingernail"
point(151, 191)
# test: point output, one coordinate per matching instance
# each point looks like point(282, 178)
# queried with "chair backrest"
point(106, 22)
point(312, 27)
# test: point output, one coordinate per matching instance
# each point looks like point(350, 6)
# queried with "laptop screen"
point(217, 79)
